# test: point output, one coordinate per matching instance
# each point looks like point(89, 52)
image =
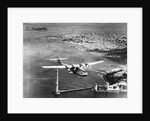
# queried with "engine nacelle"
point(84, 65)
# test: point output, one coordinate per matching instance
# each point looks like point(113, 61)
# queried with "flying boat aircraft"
point(78, 69)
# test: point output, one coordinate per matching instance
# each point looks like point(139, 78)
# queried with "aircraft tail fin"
point(58, 60)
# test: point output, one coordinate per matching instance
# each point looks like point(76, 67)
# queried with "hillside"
point(113, 44)
point(84, 37)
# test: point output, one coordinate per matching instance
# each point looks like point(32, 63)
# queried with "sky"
point(95, 27)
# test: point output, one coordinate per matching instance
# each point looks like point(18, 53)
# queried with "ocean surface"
point(40, 83)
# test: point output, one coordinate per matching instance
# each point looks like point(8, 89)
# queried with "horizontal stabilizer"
point(56, 59)
point(54, 67)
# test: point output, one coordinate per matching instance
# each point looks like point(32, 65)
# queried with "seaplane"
point(78, 69)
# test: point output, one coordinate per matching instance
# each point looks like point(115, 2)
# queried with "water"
point(40, 83)
point(44, 87)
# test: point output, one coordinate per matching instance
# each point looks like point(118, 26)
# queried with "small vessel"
point(119, 87)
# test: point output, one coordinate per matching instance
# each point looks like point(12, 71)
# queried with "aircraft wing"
point(85, 65)
point(53, 67)
point(96, 62)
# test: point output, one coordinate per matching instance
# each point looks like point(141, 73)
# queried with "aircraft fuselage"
point(79, 71)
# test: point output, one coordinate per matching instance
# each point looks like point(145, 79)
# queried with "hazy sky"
point(118, 27)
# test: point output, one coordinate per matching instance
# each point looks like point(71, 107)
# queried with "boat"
point(118, 87)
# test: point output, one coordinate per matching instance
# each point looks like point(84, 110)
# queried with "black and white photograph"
point(75, 60)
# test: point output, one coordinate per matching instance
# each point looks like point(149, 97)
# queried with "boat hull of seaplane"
point(80, 73)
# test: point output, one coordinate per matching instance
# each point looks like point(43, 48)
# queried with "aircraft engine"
point(84, 65)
